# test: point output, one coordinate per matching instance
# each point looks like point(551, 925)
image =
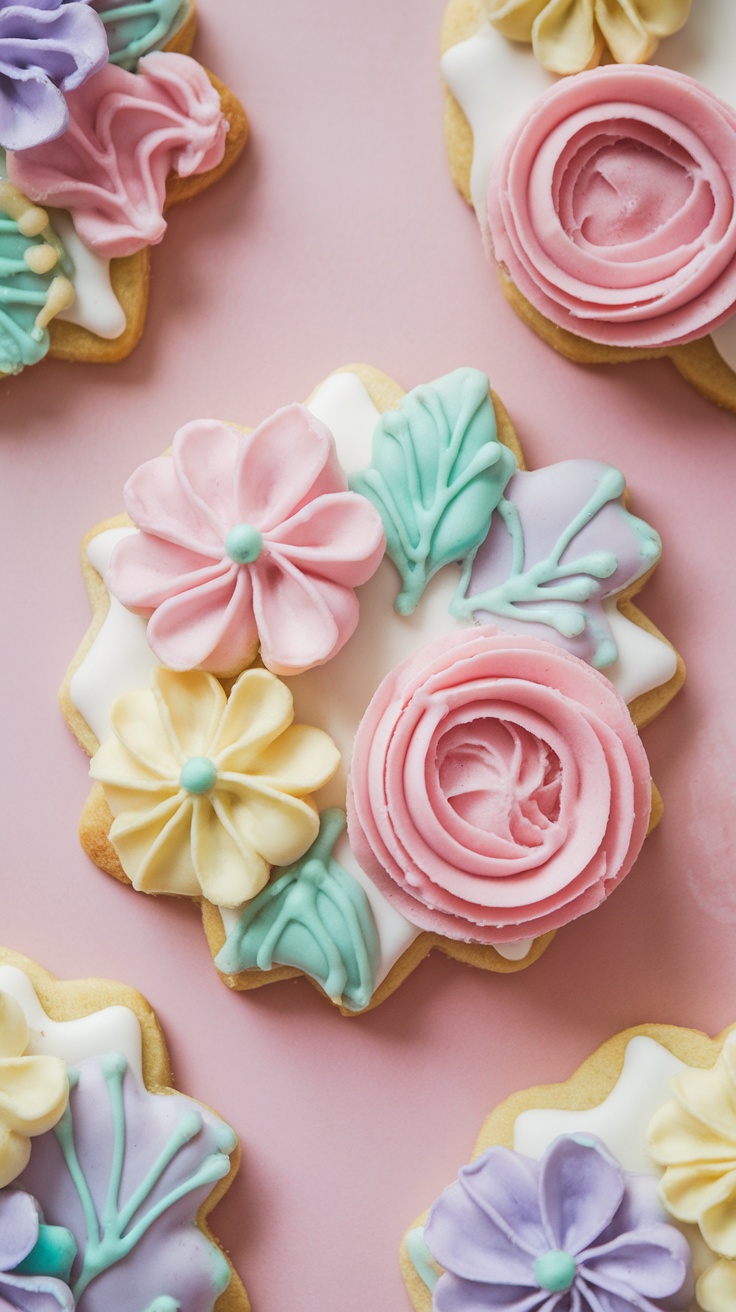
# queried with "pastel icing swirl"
point(611, 207)
point(498, 787)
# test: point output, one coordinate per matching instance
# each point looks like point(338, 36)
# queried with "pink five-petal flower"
point(247, 540)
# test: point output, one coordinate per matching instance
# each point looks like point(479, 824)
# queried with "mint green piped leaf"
point(313, 916)
point(136, 27)
point(23, 295)
point(437, 473)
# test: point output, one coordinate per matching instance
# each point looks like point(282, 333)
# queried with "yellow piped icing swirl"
point(569, 36)
point(33, 1091)
point(208, 791)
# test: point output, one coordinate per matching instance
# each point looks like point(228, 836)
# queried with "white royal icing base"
point(95, 305)
point(334, 696)
point(496, 81)
point(113, 1029)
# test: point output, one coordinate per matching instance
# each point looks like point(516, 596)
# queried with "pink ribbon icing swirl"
point(127, 133)
point(498, 787)
point(612, 207)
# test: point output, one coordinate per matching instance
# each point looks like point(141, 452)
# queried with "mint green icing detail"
point(52, 1254)
point(112, 1235)
point(165, 1304)
point(421, 1258)
point(243, 544)
point(136, 28)
point(23, 294)
point(549, 580)
point(313, 916)
point(437, 473)
point(198, 774)
point(555, 1271)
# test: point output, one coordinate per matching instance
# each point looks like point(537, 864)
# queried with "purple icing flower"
point(47, 47)
point(19, 1226)
point(572, 1233)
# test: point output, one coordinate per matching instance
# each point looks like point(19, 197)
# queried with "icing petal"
point(624, 32)
point(322, 616)
point(15, 1152)
point(564, 36)
point(230, 871)
point(191, 705)
point(654, 1262)
point(581, 1189)
point(279, 827)
point(259, 708)
point(155, 849)
point(515, 18)
point(19, 1224)
point(291, 439)
point(205, 456)
point(300, 761)
point(160, 505)
point(136, 722)
point(338, 537)
point(716, 1290)
point(145, 571)
point(14, 1034)
point(210, 626)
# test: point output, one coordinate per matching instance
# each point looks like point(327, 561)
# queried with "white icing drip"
point(95, 305)
point(334, 696)
point(114, 1029)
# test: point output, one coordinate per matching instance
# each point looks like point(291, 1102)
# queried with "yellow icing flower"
point(694, 1138)
point(571, 35)
point(208, 792)
point(716, 1290)
point(33, 1091)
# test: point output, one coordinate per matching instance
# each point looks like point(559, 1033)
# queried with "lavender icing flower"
point(572, 1233)
point(47, 47)
point(19, 1230)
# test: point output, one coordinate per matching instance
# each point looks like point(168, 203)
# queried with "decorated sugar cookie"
point(612, 1192)
point(360, 684)
point(114, 123)
point(605, 199)
point(107, 1176)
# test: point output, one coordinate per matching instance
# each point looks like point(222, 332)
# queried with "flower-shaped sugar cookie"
point(457, 645)
point(33, 1091)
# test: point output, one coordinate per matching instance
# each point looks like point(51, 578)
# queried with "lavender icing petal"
point(487, 1226)
point(581, 1188)
point(19, 1224)
point(454, 1295)
point(654, 1262)
point(35, 1294)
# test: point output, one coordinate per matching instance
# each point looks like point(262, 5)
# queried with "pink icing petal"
point(291, 442)
point(338, 537)
point(205, 456)
point(498, 787)
point(127, 133)
point(209, 627)
point(146, 571)
point(159, 504)
point(321, 616)
point(612, 206)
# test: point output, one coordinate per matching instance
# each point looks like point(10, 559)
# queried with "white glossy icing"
point(496, 81)
point(113, 1029)
point(95, 305)
point(334, 696)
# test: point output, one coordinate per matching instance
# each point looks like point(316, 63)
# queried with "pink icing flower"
point(498, 787)
point(612, 207)
point(127, 133)
point(247, 539)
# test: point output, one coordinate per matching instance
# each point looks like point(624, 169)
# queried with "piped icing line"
point(136, 27)
point(118, 657)
point(127, 133)
point(122, 1164)
point(35, 284)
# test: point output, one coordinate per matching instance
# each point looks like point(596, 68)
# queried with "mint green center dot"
point(555, 1271)
point(198, 774)
point(243, 544)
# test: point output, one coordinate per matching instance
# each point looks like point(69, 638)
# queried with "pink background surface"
point(341, 238)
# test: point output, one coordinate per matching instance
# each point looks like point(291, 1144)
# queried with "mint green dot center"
point(198, 774)
point(243, 544)
point(555, 1271)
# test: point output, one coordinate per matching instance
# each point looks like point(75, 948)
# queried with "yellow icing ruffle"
point(716, 1290)
point(174, 831)
point(693, 1137)
point(33, 1091)
point(569, 36)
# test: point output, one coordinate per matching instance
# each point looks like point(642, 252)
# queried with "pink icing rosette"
point(127, 132)
point(498, 787)
point(612, 207)
point(247, 539)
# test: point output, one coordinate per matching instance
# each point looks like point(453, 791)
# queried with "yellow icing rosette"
point(569, 36)
point(33, 1091)
point(209, 791)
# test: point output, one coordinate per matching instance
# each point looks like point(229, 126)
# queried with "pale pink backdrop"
point(340, 238)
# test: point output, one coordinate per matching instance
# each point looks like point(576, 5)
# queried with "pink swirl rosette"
point(498, 787)
point(612, 207)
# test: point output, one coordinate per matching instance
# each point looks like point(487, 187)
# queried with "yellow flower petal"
point(279, 827)
point(155, 848)
point(127, 785)
point(565, 37)
point(716, 1290)
point(663, 17)
point(514, 18)
point(14, 1034)
point(229, 869)
point(626, 35)
point(33, 1093)
point(260, 707)
point(136, 723)
point(300, 761)
point(15, 1153)
point(190, 704)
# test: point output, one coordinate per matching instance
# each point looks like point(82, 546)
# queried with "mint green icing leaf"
point(23, 295)
point(313, 916)
point(437, 473)
point(135, 27)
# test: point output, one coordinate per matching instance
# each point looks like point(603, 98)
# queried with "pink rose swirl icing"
point(498, 787)
point(127, 133)
point(316, 542)
point(612, 207)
